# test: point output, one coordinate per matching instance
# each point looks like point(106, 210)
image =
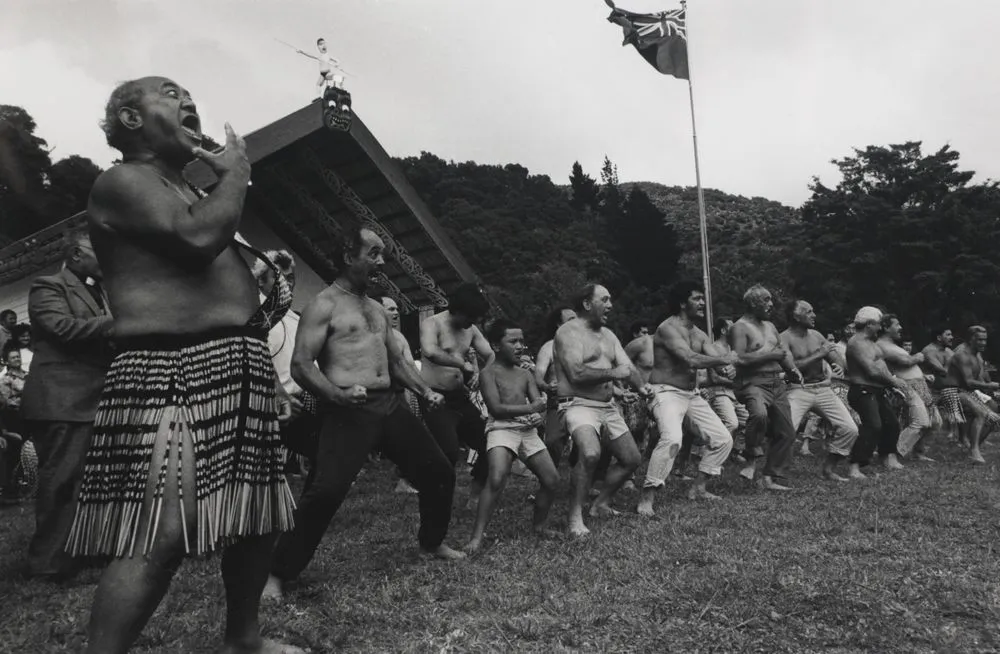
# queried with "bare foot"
point(603, 511)
point(977, 457)
point(892, 463)
point(403, 486)
point(265, 646)
point(444, 553)
point(273, 591)
point(768, 483)
point(645, 508)
point(748, 471)
point(805, 451)
point(578, 530)
point(696, 493)
point(855, 472)
point(473, 546)
point(831, 475)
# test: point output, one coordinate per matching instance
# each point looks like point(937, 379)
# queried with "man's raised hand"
point(232, 160)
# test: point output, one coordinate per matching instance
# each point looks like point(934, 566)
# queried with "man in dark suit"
point(71, 326)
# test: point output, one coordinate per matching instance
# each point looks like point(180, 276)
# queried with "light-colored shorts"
point(523, 442)
point(602, 417)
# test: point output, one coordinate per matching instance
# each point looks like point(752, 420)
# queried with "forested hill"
point(535, 242)
point(751, 240)
point(902, 229)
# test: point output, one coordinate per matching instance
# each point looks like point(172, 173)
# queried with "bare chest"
point(454, 341)
point(511, 385)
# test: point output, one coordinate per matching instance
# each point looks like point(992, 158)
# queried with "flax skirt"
point(209, 398)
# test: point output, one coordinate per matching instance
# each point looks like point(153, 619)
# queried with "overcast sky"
point(781, 86)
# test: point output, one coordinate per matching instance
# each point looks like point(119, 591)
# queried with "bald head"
point(153, 113)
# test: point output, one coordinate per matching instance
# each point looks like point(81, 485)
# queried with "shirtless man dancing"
point(680, 348)
point(759, 386)
point(968, 371)
point(871, 382)
point(810, 350)
point(589, 359)
point(348, 335)
point(446, 341)
point(186, 456)
point(937, 358)
point(907, 367)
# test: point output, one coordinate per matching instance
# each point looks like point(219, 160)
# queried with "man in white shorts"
point(589, 359)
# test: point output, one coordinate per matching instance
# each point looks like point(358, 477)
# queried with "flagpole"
point(702, 216)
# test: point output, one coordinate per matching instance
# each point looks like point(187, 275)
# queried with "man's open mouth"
point(191, 125)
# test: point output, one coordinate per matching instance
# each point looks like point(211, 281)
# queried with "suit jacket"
point(72, 350)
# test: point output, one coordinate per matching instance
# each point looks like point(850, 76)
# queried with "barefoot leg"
point(500, 460)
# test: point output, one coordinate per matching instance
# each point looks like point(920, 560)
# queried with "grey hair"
point(754, 293)
point(127, 94)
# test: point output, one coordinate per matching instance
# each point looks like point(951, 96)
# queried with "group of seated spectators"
point(15, 360)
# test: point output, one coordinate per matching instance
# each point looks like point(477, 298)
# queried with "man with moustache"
point(186, 456)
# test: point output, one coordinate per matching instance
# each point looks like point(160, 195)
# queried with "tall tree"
point(70, 181)
point(905, 230)
point(611, 195)
point(34, 192)
point(24, 174)
point(585, 192)
point(646, 244)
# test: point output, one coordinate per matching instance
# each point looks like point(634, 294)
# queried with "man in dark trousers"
point(71, 326)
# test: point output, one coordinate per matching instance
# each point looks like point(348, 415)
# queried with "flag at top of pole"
point(660, 38)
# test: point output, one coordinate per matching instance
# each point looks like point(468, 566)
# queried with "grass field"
point(903, 562)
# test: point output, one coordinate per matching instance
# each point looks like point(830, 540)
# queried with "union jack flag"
point(660, 38)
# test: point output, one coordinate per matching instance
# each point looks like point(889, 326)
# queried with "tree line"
point(902, 228)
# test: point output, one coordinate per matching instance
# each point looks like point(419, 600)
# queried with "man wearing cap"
point(870, 386)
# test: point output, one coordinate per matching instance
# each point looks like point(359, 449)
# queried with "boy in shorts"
point(515, 408)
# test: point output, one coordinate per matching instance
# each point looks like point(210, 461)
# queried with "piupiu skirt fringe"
point(215, 390)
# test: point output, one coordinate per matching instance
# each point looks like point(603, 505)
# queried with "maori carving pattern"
point(368, 218)
point(331, 228)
